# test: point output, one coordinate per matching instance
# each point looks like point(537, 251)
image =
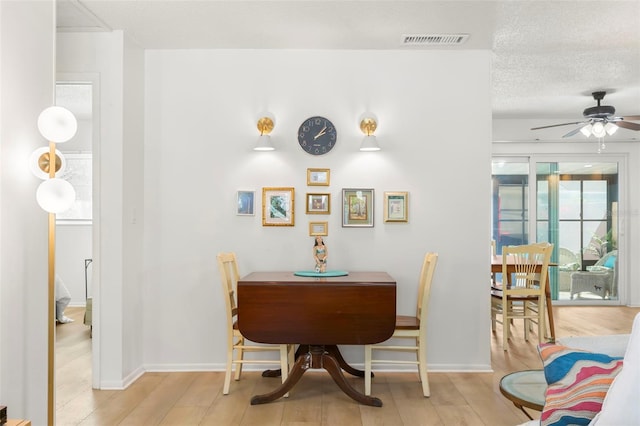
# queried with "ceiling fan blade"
point(627, 125)
point(573, 132)
point(558, 125)
point(631, 117)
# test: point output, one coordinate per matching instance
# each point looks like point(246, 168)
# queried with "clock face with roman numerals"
point(317, 135)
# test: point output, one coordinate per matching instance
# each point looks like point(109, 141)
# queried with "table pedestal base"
point(320, 356)
point(332, 349)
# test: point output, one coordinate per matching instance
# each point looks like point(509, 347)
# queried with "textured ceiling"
point(548, 56)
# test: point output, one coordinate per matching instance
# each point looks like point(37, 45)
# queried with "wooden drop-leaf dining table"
point(319, 314)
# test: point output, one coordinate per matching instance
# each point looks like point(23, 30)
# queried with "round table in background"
point(525, 389)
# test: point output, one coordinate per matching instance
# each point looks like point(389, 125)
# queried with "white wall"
point(133, 212)
point(200, 126)
point(434, 110)
point(27, 32)
point(116, 249)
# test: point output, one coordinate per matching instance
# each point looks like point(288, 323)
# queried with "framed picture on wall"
point(245, 203)
point(318, 177)
point(319, 228)
point(278, 206)
point(319, 203)
point(396, 206)
point(357, 207)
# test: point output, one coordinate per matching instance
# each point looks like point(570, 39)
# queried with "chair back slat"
point(229, 275)
point(424, 285)
point(529, 264)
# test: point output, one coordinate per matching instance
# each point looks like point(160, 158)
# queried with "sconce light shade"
point(368, 125)
point(57, 124)
point(264, 143)
point(55, 195)
point(39, 163)
point(266, 123)
point(369, 143)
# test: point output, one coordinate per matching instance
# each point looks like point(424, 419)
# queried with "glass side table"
point(525, 389)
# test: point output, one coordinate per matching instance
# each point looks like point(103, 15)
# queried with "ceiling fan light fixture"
point(598, 129)
point(586, 130)
point(599, 120)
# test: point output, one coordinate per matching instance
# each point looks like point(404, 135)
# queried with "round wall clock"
point(317, 135)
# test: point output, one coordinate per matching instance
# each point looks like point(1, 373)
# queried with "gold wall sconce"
point(368, 125)
point(266, 123)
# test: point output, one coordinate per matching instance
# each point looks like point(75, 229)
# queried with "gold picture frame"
point(357, 207)
point(278, 206)
point(318, 203)
point(396, 206)
point(319, 228)
point(318, 177)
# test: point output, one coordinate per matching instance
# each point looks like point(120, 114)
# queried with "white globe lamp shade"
point(57, 124)
point(39, 163)
point(55, 195)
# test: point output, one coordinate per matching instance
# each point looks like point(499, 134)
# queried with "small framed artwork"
point(318, 203)
point(357, 207)
point(278, 206)
point(396, 206)
point(245, 203)
point(318, 177)
point(319, 228)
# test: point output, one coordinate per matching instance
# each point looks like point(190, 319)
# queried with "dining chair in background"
point(495, 284)
point(229, 275)
point(408, 327)
point(524, 272)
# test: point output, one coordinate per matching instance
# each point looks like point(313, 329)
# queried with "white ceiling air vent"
point(434, 39)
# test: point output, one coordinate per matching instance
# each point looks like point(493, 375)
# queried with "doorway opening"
point(572, 204)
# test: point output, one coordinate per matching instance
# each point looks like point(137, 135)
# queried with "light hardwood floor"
point(196, 398)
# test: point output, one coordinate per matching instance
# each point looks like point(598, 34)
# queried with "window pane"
point(595, 239)
point(569, 199)
point(542, 231)
point(570, 236)
point(543, 200)
point(594, 200)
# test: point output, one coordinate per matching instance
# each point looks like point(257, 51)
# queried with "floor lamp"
point(54, 195)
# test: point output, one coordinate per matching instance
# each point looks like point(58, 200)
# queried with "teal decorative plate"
point(321, 274)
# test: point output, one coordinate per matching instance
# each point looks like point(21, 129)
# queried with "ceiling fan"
point(599, 120)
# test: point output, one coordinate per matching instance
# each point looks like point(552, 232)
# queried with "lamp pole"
point(52, 298)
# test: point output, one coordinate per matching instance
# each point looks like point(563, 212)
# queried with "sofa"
point(607, 374)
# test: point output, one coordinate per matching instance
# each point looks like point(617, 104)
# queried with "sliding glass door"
point(576, 209)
